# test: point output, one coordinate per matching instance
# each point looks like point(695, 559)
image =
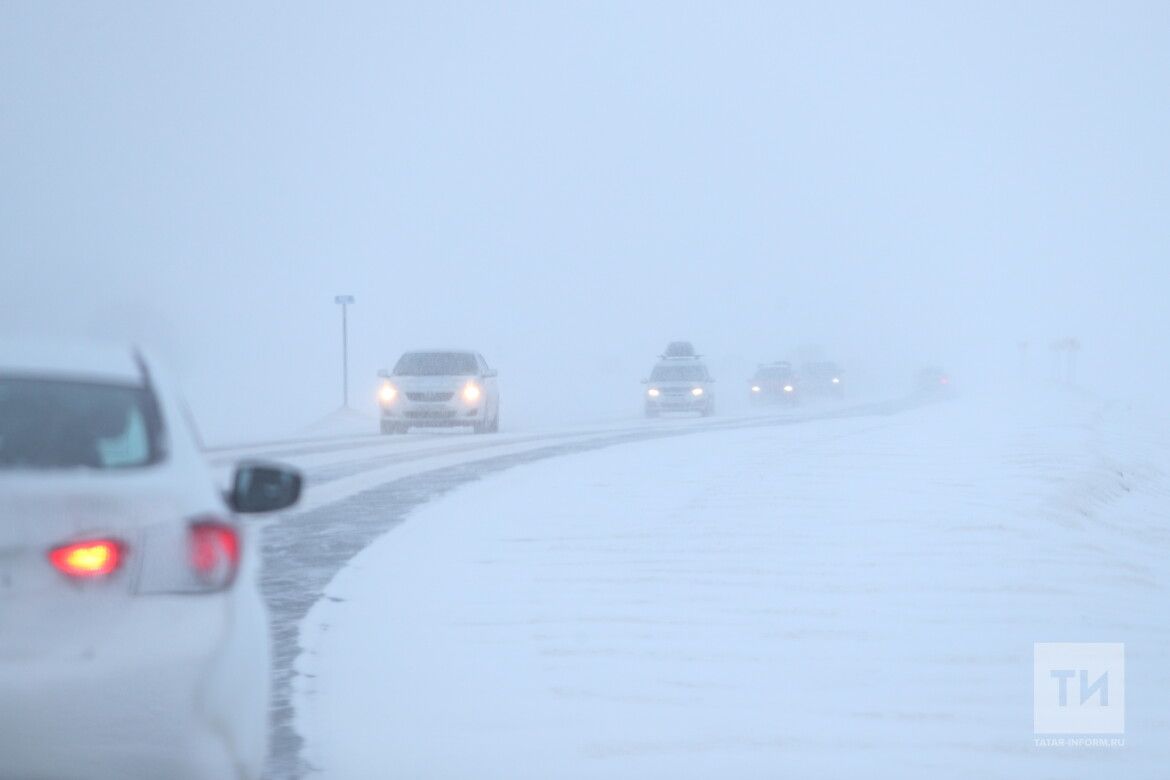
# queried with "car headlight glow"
point(755, 388)
point(387, 393)
point(836, 381)
point(471, 392)
point(698, 391)
point(788, 388)
point(653, 392)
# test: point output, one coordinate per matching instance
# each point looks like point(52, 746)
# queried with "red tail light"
point(215, 552)
point(90, 558)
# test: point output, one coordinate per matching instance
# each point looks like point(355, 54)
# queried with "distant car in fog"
point(440, 389)
point(681, 384)
point(133, 640)
point(933, 380)
point(822, 378)
point(774, 383)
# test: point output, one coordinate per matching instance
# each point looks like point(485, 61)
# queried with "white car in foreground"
point(440, 389)
point(133, 640)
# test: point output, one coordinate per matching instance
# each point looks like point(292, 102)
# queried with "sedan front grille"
point(430, 414)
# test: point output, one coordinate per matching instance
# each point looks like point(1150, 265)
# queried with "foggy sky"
point(566, 187)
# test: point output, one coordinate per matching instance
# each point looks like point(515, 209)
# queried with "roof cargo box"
point(677, 349)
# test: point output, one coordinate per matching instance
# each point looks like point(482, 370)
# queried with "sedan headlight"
point(471, 392)
point(755, 388)
point(788, 388)
point(698, 391)
point(387, 393)
point(653, 392)
point(836, 381)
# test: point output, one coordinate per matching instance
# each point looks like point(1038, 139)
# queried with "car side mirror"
point(491, 373)
point(383, 374)
point(259, 487)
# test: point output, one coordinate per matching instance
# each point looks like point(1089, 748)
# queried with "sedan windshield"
point(678, 374)
point(56, 424)
point(436, 364)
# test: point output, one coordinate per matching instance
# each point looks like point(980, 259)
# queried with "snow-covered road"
point(851, 596)
point(361, 486)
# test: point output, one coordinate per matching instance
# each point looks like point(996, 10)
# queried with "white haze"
point(566, 187)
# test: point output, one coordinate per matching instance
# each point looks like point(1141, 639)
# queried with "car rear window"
point(437, 364)
point(678, 374)
point(58, 424)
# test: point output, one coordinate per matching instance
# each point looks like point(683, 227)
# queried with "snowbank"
point(853, 597)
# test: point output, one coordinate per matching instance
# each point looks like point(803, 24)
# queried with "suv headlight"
point(471, 392)
point(387, 393)
point(653, 392)
point(698, 391)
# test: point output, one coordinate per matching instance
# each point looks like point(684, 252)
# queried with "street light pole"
point(344, 301)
